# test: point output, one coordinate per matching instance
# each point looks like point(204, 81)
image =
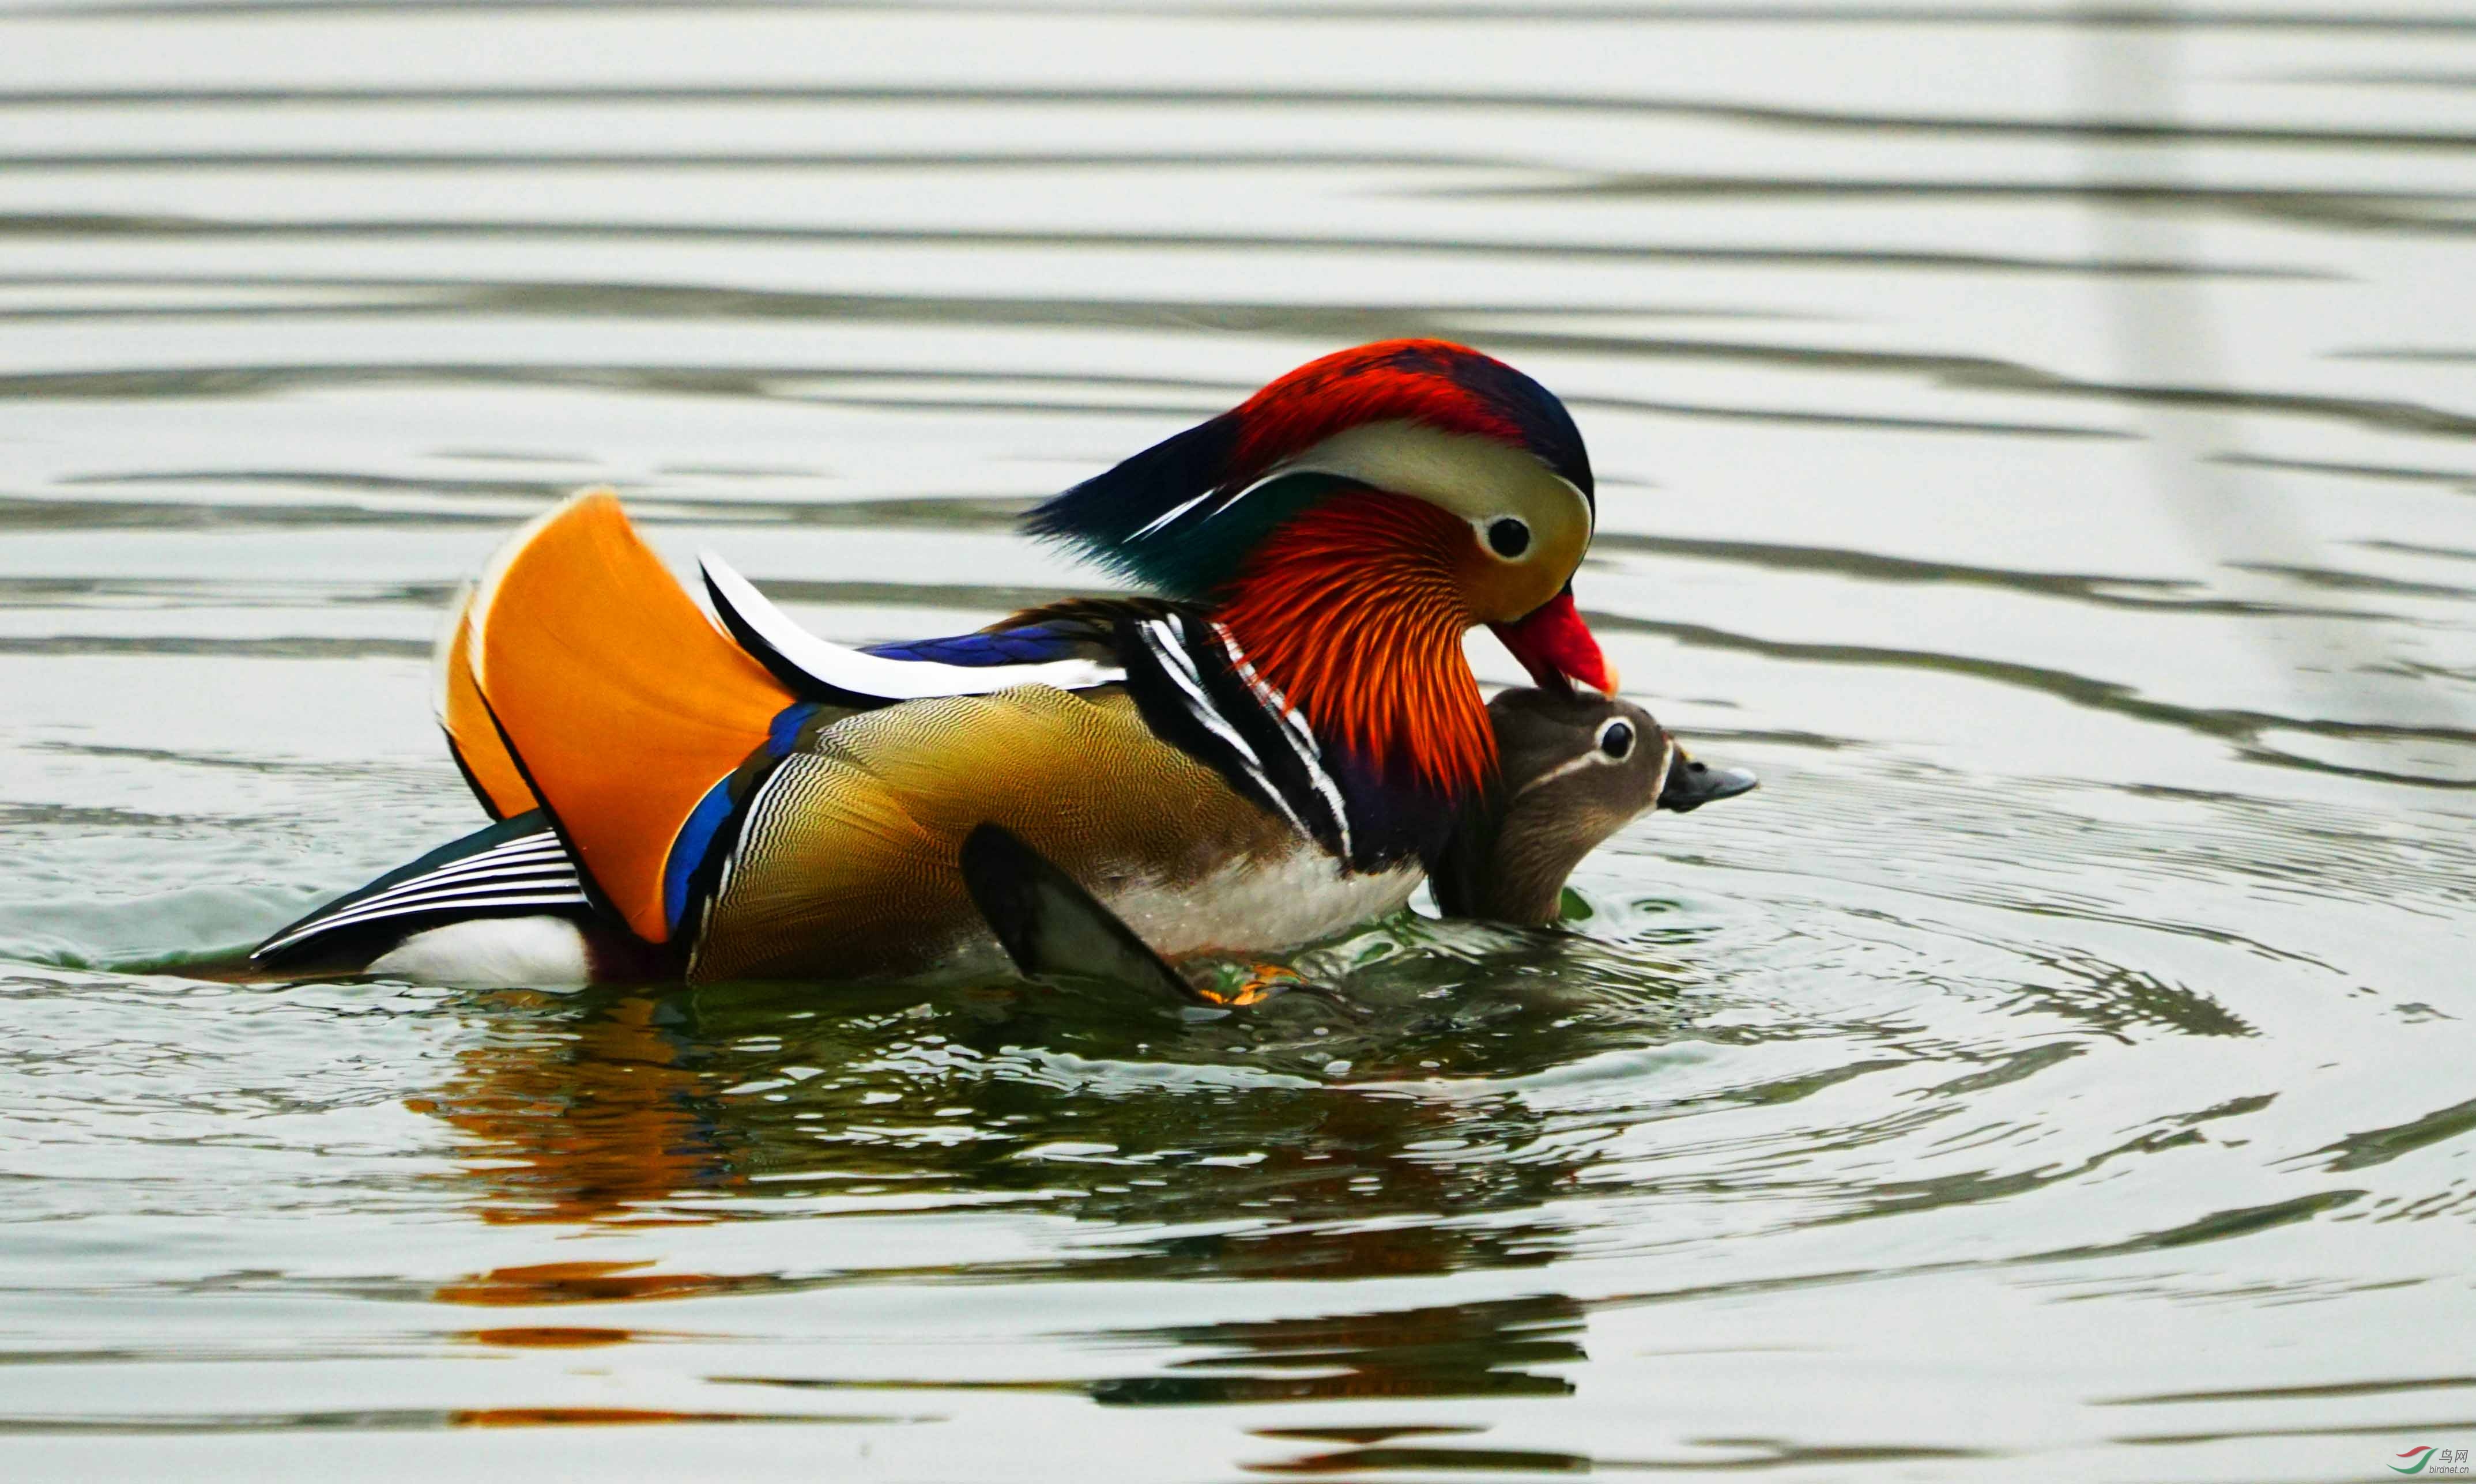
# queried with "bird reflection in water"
point(1461, 1349)
point(1234, 1140)
point(625, 1107)
point(583, 1112)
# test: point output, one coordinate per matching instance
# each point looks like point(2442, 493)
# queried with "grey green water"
point(2040, 440)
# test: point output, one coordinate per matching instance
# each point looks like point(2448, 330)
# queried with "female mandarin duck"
point(1575, 768)
point(1274, 750)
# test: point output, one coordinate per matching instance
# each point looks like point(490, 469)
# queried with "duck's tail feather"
point(1049, 925)
point(516, 867)
point(618, 703)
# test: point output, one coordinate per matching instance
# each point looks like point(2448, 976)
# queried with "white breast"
point(1259, 907)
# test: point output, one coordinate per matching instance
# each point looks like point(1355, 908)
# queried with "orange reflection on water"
point(597, 1125)
point(548, 1336)
point(603, 1417)
point(588, 1282)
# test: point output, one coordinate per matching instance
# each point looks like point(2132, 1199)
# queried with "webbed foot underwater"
point(1283, 743)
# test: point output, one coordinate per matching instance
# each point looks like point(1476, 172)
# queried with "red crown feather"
point(1391, 381)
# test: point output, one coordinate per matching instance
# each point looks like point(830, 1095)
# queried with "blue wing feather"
point(1036, 644)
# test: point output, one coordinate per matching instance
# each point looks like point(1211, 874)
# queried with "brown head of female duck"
point(1575, 768)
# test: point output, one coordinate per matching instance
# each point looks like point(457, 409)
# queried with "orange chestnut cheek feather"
point(1355, 614)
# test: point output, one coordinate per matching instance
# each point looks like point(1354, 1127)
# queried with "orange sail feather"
point(472, 737)
point(620, 701)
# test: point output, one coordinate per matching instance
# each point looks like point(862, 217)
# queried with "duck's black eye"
point(1615, 740)
point(1508, 538)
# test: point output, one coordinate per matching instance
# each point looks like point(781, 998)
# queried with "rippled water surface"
point(2040, 440)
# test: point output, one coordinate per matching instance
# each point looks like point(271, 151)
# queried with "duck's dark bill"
point(1693, 783)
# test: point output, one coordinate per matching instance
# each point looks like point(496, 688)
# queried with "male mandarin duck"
point(1575, 769)
point(1275, 749)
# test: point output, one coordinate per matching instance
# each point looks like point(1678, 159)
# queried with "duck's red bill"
point(1556, 647)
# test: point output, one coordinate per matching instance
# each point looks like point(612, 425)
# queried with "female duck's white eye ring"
point(1616, 739)
point(1510, 537)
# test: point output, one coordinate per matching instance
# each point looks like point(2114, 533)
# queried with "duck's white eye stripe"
point(1565, 769)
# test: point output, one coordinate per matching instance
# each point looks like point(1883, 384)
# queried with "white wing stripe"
point(506, 894)
point(512, 899)
point(1182, 671)
point(541, 892)
point(432, 886)
point(1300, 737)
point(495, 871)
point(490, 862)
point(418, 892)
point(542, 844)
point(532, 869)
point(845, 668)
point(1176, 649)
